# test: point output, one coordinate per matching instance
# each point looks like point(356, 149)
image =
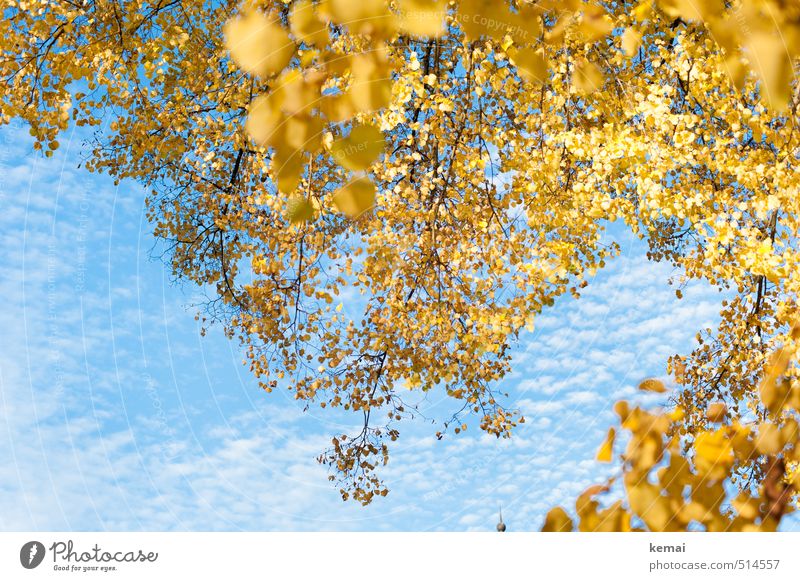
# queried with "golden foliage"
point(667, 489)
point(454, 164)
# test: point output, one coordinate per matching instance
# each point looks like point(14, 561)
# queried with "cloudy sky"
point(115, 414)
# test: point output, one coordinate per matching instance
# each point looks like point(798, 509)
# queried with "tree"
point(455, 163)
point(674, 483)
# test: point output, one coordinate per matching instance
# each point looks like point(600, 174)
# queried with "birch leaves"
point(258, 43)
point(678, 480)
point(336, 56)
point(326, 87)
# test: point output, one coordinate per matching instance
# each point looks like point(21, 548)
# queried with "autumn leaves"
point(333, 64)
point(343, 75)
point(675, 483)
point(333, 84)
point(259, 44)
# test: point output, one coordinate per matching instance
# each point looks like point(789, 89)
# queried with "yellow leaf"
point(677, 414)
point(769, 58)
point(653, 385)
point(692, 511)
point(631, 39)
point(424, 18)
point(355, 198)
point(371, 87)
point(446, 106)
point(306, 25)
point(263, 119)
point(490, 18)
point(338, 108)
point(769, 439)
point(557, 521)
point(691, 9)
point(258, 43)
point(287, 168)
point(359, 150)
point(299, 209)
point(716, 412)
point(586, 77)
point(606, 450)
point(595, 24)
point(714, 454)
point(746, 506)
point(532, 66)
point(774, 393)
point(642, 10)
point(647, 502)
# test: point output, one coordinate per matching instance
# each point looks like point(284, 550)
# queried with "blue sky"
point(115, 414)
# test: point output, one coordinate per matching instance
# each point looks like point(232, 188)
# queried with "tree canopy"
point(448, 169)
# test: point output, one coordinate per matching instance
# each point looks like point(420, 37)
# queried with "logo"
point(31, 554)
